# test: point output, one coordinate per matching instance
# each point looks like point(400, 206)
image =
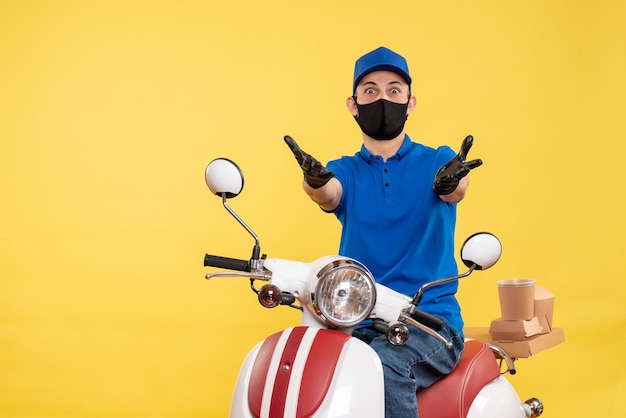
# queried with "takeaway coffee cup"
point(517, 299)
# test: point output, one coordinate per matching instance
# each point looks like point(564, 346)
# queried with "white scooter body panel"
point(497, 399)
point(356, 388)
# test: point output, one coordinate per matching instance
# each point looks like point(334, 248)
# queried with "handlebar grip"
point(431, 321)
point(226, 263)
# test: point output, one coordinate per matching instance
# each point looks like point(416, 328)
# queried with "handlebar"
point(226, 263)
point(431, 321)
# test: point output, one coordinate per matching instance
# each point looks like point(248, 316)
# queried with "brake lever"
point(406, 318)
point(255, 276)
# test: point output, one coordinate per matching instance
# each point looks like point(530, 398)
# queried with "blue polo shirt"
point(396, 225)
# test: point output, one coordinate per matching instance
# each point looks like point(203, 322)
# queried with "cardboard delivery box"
point(523, 337)
point(514, 330)
point(544, 308)
point(519, 349)
point(520, 329)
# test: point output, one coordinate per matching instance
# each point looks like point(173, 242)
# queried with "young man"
point(396, 200)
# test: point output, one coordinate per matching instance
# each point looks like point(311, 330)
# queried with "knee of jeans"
point(364, 334)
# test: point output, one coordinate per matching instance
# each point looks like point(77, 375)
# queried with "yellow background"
point(110, 110)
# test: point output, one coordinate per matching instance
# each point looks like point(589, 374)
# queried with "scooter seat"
point(452, 396)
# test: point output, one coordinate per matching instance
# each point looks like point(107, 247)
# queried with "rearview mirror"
point(481, 250)
point(224, 178)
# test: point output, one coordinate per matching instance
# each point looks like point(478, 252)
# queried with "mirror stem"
point(418, 296)
point(256, 251)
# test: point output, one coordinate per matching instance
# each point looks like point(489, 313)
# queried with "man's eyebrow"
point(375, 84)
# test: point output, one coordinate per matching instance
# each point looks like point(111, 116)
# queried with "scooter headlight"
point(344, 294)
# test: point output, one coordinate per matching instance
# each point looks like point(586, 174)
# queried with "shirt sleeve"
point(338, 167)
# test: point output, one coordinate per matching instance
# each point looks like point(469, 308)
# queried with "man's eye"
point(395, 91)
point(369, 91)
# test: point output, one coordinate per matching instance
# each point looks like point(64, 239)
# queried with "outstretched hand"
point(315, 174)
point(448, 177)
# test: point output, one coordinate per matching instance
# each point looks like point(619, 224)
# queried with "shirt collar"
point(404, 149)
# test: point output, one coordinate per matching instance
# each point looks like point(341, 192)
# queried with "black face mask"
point(382, 119)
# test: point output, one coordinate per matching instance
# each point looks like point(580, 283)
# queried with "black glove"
point(315, 174)
point(448, 177)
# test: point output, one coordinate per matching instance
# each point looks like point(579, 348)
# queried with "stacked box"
point(520, 330)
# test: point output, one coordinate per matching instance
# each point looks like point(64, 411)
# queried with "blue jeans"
point(416, 365)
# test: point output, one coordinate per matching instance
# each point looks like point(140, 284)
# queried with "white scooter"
point(319, 370)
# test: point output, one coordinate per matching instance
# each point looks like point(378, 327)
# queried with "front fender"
point(307, 372)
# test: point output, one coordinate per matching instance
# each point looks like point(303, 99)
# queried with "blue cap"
point(380, 59)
